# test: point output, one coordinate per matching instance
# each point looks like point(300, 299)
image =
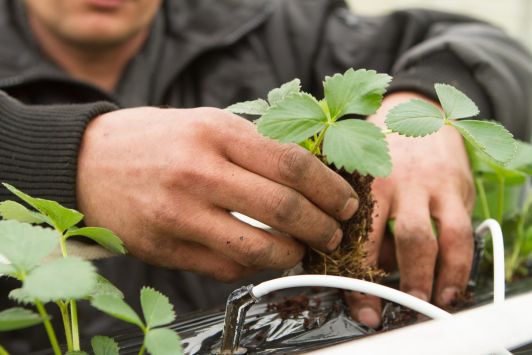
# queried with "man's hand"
point(431, 178)
point(166, 180)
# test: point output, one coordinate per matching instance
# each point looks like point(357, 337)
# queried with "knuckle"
point(285, 207)
point(293, 163)
point(416, 235)
point(258, 252)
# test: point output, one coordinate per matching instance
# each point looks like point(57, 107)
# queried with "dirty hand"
point(431, 178)
point(165, 181)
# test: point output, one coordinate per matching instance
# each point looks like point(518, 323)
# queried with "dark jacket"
point(215, 53)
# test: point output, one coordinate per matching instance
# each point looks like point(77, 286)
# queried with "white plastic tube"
point(499, 287)
point(352, 285)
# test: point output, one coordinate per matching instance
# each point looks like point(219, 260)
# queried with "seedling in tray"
point(69, 279)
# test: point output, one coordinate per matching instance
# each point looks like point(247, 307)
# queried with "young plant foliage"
point(104, 346)
point(61, 279)
point(24, 245)
point(18, 318)
point(61, 218)
point(417, 118)
point(297, 117)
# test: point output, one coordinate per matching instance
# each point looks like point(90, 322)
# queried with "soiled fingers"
point(294, 167)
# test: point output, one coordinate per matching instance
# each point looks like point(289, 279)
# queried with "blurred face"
point(93, 22)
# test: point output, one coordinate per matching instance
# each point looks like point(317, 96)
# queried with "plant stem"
point(513, 262)
point(62, 243)
point(387, 132)
point(482, 197)
point(75, 330)
point(318, 141)
point(500, 201)
point(142, 349)
point(66, 323)
point(48, 326)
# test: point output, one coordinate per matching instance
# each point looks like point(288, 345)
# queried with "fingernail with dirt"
point(369, 317)
point(448, 295)
point(335, 240)
point(350, 208)
point(419, 294)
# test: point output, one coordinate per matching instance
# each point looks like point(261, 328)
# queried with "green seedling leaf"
point(18, 318)
point(105, 287)
point(61, 217)
point(18, 212)
point(415, 118)
point(156, 308)
point(255, 107)
point(455, 103)
point(20, 296)
point(3, 351)
point(489, 137)
point(355, 92)
point(279, 94)
point(25, 245)
point(163, 341)
point(357, 145)
point(116, 307)
point(7, 270)
point(522, 160)
point(61, 279)
point(293, 120)
point(104, 346)
point(102, 236)
point(76, 353)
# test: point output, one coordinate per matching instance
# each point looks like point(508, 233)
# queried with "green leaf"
point(522, 160)
point(25, 245)
point(76, 353)
point(489, 137)
point(355, 92)
point(18, 318)
point(14, 210)
point(279, 94)
point(357, 145)
point(294, 119)
point(156, 308)
point(104, 346)
point(61, 217)
point(7, 270)
point(105, 287)
point(255, 107)
point(455, 103)
point(102, 236)
point(163, 341)
point(116, 307)
point(20, 296)
point(3, 351)
point(415, 118)
point(61, 279)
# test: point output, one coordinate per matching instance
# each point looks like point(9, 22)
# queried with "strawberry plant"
point(357, 149)
point(64, 281)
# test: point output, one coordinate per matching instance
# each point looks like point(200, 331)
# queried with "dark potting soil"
point(348, 259)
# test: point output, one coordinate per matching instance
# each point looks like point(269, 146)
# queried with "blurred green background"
point(515, 16)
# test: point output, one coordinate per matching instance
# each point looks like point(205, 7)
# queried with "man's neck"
point(101, 66)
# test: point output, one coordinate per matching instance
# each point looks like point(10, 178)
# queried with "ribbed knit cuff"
point(39, 147)
point(440, 67)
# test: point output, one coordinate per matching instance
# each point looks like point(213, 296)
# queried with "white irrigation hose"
point(352, 285)
point(499, 287)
